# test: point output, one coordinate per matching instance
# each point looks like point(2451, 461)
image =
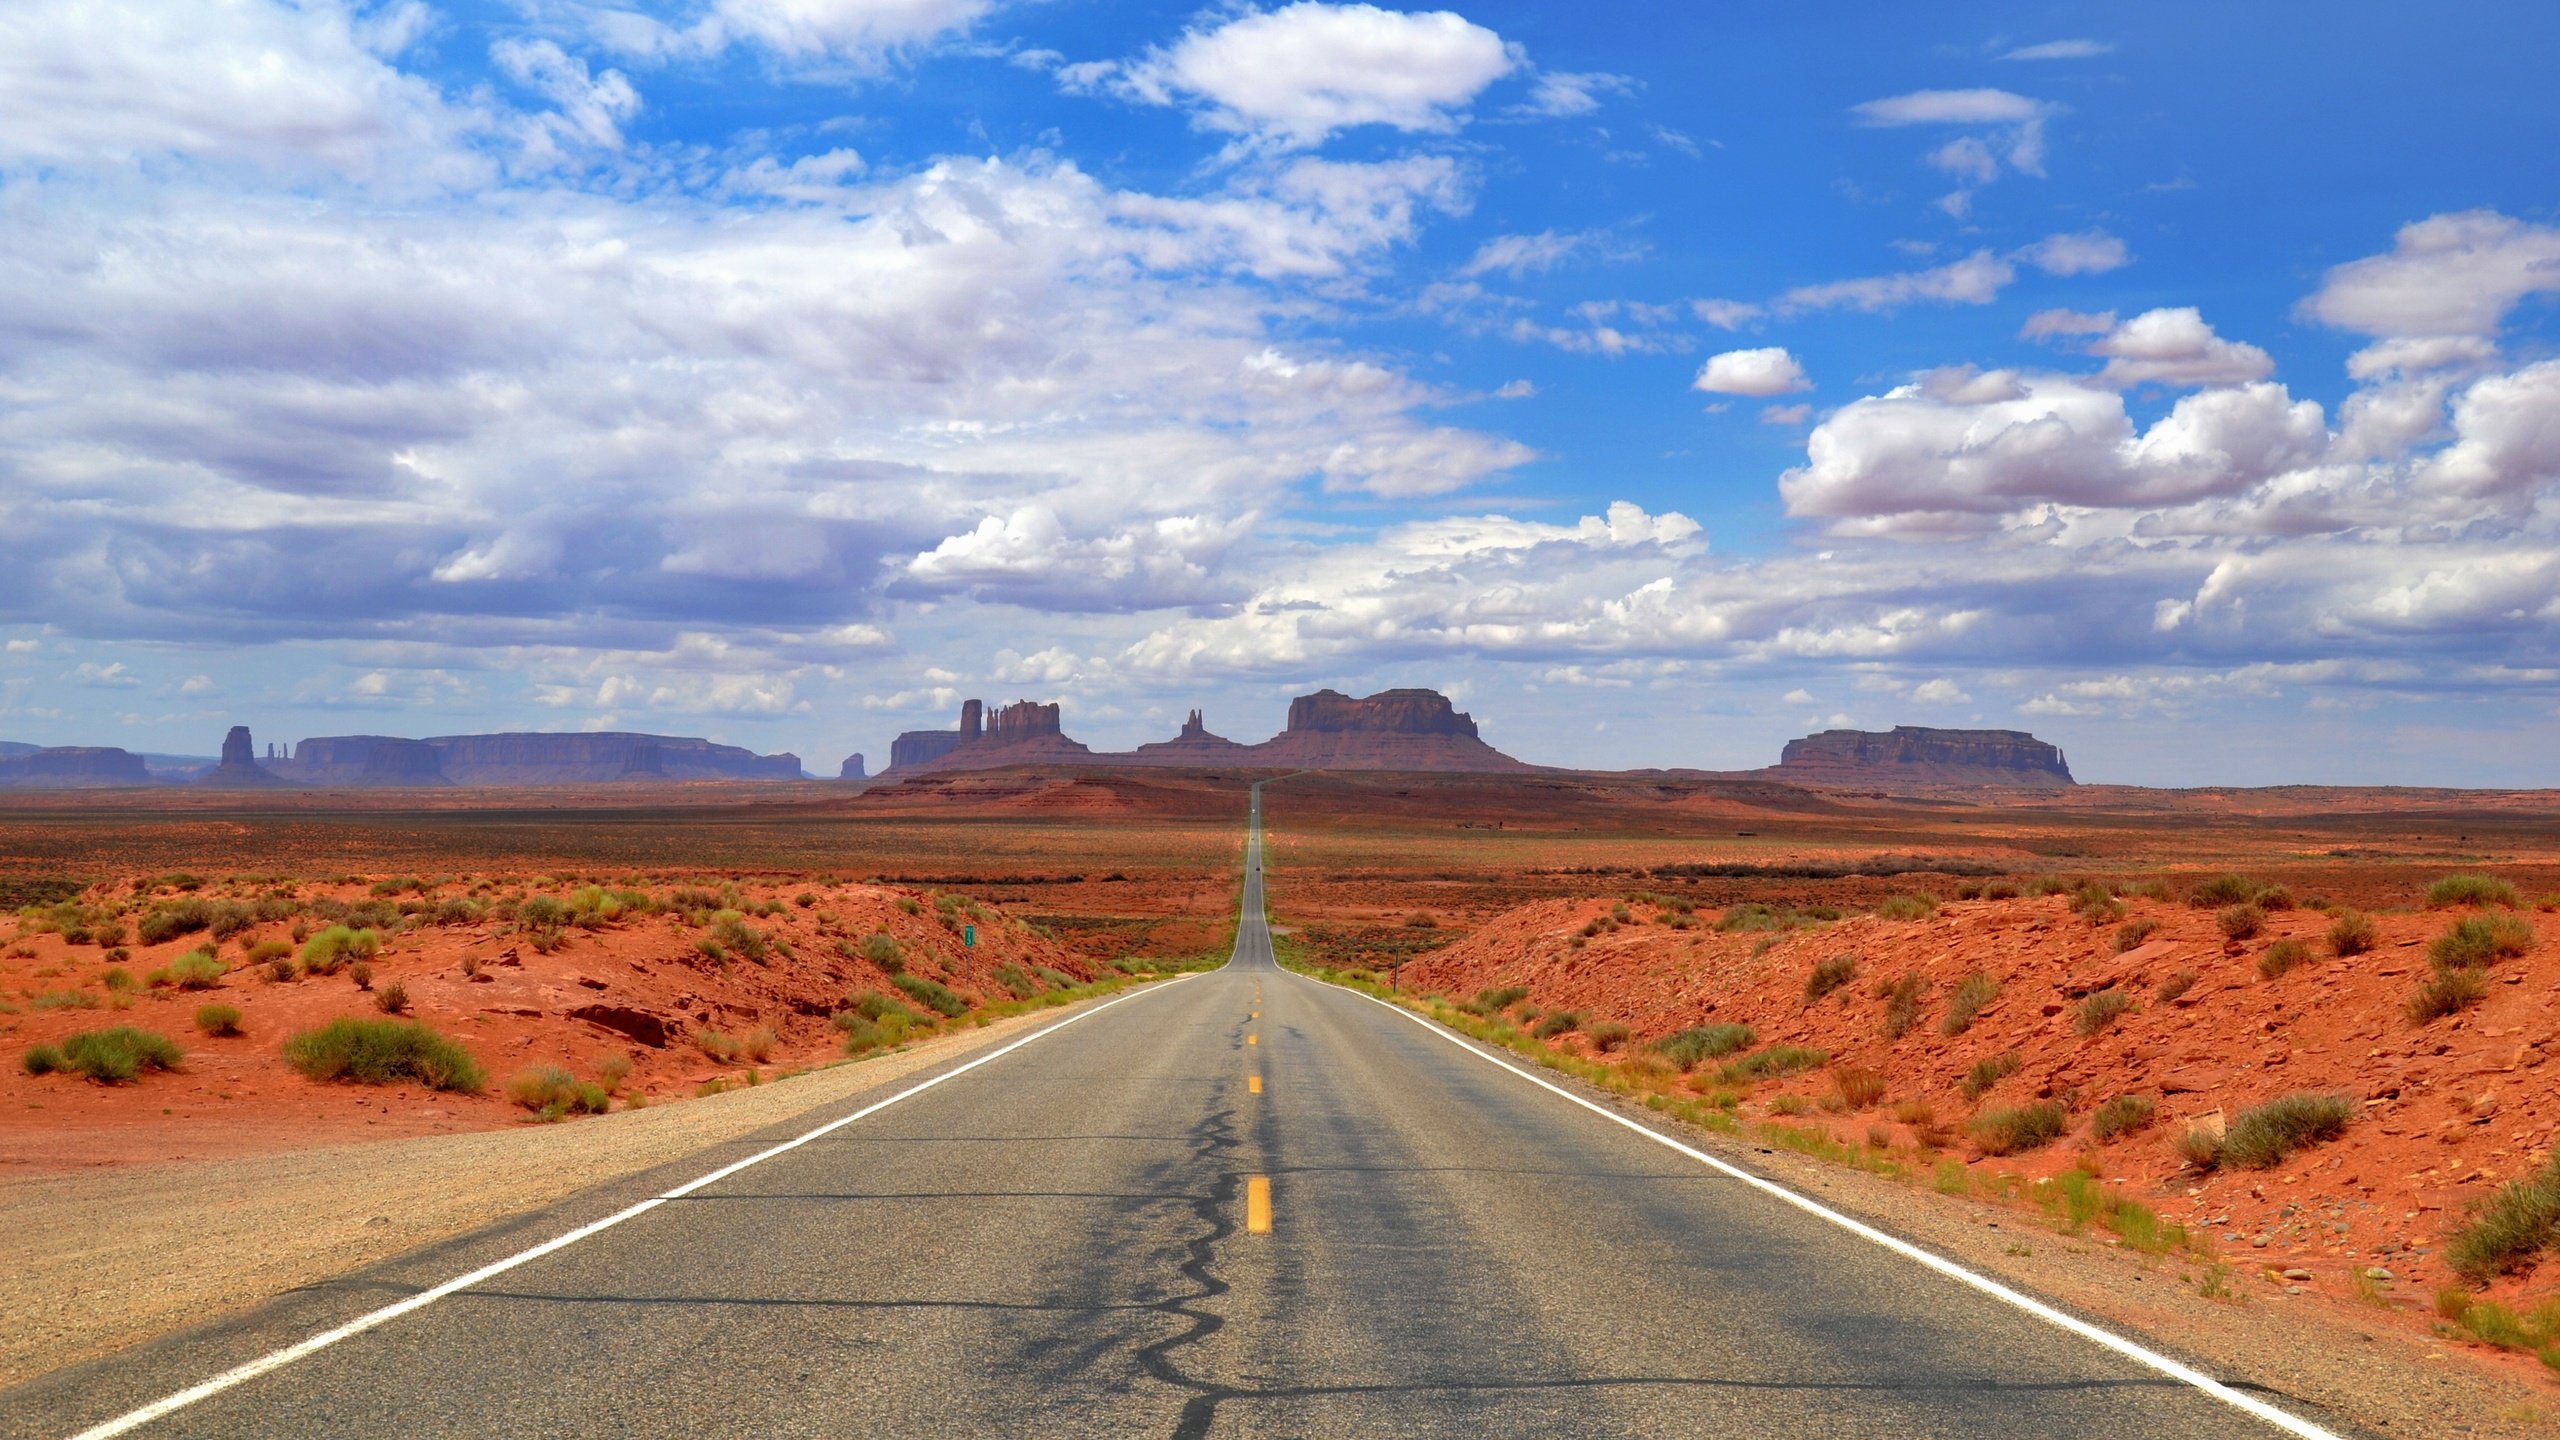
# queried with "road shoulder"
point(184, 1244)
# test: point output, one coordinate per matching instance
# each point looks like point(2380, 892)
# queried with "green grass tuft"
point(2519, 1221)
point(1988, 1072)
point(1966, 1001)
point(932, 994)
point(2262, 1136)
point(2121, 1116)
point(2352, 932)
point(382, 1052)
point(2474, 890)
point(2026, 1127)
point(1687, 1048)
point(1828, 976)
point(2099, 1010)
point(112, 1056)
point(218, 1019)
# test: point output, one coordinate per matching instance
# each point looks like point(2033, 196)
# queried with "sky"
point(2177, 382)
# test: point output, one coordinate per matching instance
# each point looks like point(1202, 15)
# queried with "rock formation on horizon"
point(1391, 730)
point(1194, 745)
point(1920, 755)
point(239, 768)
point(1025, 732)
point(70, 767)
point(525, 758)
point(852, 768)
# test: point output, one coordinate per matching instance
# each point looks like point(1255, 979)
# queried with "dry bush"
point(2098, 1011)
point(1859, 1088)
point(2026, 1127)
point(2240, 922)
point(1966, 1001)
point(2282, 956)
point(1828, 976)
point(2352, 933)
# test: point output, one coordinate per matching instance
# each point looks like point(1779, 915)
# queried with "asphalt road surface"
point(1244, 1203)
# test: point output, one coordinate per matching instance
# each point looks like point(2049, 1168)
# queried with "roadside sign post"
point(969, 937)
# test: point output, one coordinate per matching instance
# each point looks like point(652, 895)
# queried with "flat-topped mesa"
point(852, 768)
point(524, 758)
point(548, 758)
point(362, 760)
point(1391, 730)
point(239, 769)
point(71, 767)
point(1920, 755)
point(1391, 712)
point(1020, 722)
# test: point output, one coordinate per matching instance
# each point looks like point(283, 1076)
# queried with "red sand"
point(2446, 1111)
point(235, 1095)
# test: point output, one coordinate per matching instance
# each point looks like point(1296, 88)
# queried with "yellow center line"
point(1253, 1084)
point(1253, 1039)
point(1257, 1205)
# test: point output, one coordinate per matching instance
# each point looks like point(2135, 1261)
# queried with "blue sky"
point(1663, 382)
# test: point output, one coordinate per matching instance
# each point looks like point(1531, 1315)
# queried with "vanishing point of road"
point(1241, 1203)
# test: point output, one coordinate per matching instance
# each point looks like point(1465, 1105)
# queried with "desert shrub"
point(218, 1019)
point(2133, 932)
point(2121, 1116)
point(1606, 1035)
point(266, 952)
point(1557, 1023)
point(113, 1056)
point(932, 994)
point(195, 970)
point(1859, 1088)
point(2154, 888)
point(2025, 1127)
point(1790, 1105)
point(2478, 940)
point(1500, 997)
point(1752, 915)
point(731, 932)
point(380, 1052)
point(719, 1045)
point(1772, 1063)
point(2223, 890)
point(881, 1027)
point(2521, 1219)
point(2000, 890)
point(2352, 933)
point(2273, 898)
point(542, 912)
point(2199, 1147)
point(2099, 1010)
point(1901, 1004)
point(1987, 1072)
point(2282, 956)
point(163, 923)
point(2178, 983)
point(1919, 905)
point(612, 1070)
point(392, 999)
point(81, 999)
point(361, 972)
point(552, 1092)
point(1828, 976)
point(107, 933)
point(2096, 903)
point(881, 949)
point(2475, 890)
point(1966, 1001)
point(2240, 922)
point(1687, 1048)
point(2261, 1136)
point(1013, 978)
point(335, 946)
point(117, 979)
point(2447, 992)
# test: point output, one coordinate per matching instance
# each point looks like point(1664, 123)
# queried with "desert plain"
point(2049, 1011)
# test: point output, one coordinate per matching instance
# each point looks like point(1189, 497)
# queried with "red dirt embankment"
point(640, 987)
point(2444, 1111)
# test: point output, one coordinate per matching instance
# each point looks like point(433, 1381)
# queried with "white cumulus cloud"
point(1759, 373)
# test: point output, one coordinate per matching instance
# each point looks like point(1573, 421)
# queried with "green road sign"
point(969, 936)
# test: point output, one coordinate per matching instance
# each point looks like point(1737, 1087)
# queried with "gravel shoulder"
point(156, 1248)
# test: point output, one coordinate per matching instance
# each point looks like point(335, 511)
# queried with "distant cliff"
point(70, 767)
point(1919, 755)
point(523, 758)
point(1025, 732)
point(1391, 730)
point(239, 768)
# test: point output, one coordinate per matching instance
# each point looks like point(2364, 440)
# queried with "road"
point(1244, 1203)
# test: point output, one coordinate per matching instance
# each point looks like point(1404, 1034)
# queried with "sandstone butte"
point(1328, 730)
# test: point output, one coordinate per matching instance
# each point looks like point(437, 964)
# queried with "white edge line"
point(278, 1359)
point(2176, 1370)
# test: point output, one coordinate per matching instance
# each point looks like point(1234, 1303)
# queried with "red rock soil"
point(639, 988)
point(2447, 1111)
